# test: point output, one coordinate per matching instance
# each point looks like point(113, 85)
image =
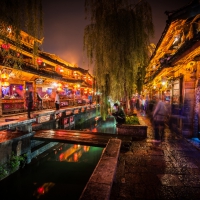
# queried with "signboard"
point(39, 81)
point(71, 119)
point(79, 101)
point(64, 103)
point(65, 122)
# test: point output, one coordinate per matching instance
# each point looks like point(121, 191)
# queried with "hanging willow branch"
point(116, 42)
point(20, 15)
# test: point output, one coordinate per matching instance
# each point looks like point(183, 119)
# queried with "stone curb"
point(100, 183)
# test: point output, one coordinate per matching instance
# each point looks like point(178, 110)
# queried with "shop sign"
point(39, 81)
point(79, 101)
point(71, 118)
point(44, 118)
point(64, 103)
point(65, 122)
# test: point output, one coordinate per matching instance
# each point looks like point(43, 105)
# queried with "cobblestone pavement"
point(166, 170)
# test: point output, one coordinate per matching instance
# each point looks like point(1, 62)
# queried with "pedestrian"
point(119, 114)
point(160, 115)
point(143, 105)
point(57, 101)
point(137, 103)
point(39, 99)
point(30, 103)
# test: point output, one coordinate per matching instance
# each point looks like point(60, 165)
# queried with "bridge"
point(79, 137)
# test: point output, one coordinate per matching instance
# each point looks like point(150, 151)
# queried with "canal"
point(61, 172)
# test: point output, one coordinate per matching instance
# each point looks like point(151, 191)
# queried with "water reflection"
point(43, 190)
point(97, 124)
point(73, 153)
point(63, 173)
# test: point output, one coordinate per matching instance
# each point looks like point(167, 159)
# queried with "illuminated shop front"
point(176, 61)
point(43, 73)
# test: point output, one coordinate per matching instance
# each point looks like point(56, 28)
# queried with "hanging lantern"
point(39, 61)
point(163, 80)
point(59, 84)
point(5, 83)
point(58, 68)
point(5, 46)
point(3, 76)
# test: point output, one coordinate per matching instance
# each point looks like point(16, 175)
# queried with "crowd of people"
point(157, 109)
point(36, 102)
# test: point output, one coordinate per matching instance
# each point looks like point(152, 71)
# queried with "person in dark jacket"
point(39, 99)
point(119, 114)
point(30, 103)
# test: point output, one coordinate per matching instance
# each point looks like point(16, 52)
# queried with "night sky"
point(64, 23)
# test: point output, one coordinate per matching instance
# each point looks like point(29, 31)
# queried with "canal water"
point(61, 174)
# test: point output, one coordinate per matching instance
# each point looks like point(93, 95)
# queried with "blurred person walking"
point(30, 103)
point(57, 101)
point(160, 115)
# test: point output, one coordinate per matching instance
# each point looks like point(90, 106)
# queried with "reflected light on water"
point(43, 189)
point(73, 153)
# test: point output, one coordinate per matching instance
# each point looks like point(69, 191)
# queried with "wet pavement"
point(167, 170)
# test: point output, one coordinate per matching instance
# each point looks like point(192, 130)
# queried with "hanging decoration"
point(13, 21)
point(39, 61)
point(5, 46)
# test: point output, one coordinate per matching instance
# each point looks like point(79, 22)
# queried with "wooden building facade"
point(43, 72)
point(174, 69)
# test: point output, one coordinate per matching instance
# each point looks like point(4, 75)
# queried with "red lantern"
point(39, 61)
point(58, 68)
point(5, 46)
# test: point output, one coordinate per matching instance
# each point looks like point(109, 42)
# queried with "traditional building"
point(174, 68)
point(22, 67)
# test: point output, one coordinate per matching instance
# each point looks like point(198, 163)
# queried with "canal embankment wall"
point(17, 133)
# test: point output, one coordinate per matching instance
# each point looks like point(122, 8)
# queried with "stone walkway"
point(167, 170)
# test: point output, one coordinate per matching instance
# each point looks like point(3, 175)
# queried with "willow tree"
point(116, 42)
point(18, 15)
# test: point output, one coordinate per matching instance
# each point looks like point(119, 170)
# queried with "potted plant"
point(134, 127)
point(132, 120)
